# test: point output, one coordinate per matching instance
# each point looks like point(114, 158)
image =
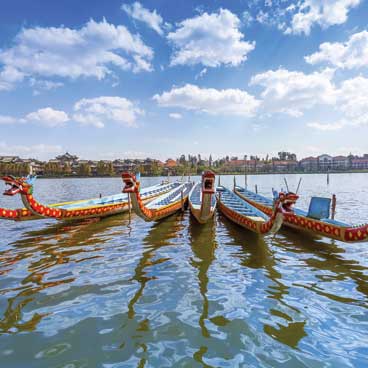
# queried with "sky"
point(158, 78)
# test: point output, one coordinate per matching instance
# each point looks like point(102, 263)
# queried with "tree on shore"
point(84, 170)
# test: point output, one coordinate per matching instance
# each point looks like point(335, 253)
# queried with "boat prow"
point(202, 198)
point(163, 206)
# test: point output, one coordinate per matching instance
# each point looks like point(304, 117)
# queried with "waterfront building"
point(340, 163)
point(325, 162)
point(360, 163)
point(309, 164)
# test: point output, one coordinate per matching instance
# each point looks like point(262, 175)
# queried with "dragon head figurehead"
point(208, 182)
point(18, 185)
point(287, 201)
point(131, 184)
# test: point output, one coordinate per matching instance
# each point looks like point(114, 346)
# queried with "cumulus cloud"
point(347, 55)
point(351, 103)
point(47, 116)
point(72, 53)
point(173, 115)
point(138, 12)
point(353, 99)
point(97, 111)
point(209, 100)
point(211, 40)
point(325, 13)
point(293, 92)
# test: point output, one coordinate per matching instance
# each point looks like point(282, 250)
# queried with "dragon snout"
point(12, 189)
point(288, 201)
point(129, 183)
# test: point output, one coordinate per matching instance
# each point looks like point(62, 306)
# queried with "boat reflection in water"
point(43, 250)
point(136, 330)
point(203, 244)
point(285, 323)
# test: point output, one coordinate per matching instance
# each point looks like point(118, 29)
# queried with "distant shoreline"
point(195, 174)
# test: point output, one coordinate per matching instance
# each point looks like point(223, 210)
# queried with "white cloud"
point(293, 92)
point(48, 117)
point(327, 126)
point(72, 53)
point(173, 115)
point(97, 111)
point(138, 12)
point(262, 17)
point(5, 119)
point(351, 103)
point(209, 100)
point(36, 150)
point(325, 13)
point(247, 18)
point(210, 39)
point(8, 76)
point(353, 100)
point(201, 74)
point(348, 55)
point(43, 85)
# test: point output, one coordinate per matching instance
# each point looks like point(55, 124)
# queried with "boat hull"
point(150, 214)
point(315, 227)
point(246, 215)
point(198, 214)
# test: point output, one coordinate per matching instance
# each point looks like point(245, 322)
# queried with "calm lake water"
point(115, 293)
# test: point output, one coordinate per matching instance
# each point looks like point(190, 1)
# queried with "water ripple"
point(124, 293)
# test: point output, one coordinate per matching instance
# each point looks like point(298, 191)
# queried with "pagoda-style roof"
point(67, 157)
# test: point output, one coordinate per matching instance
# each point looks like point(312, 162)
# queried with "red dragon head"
point(18, 185)
point(287, 201)
point(131, 183)
point(208, 182)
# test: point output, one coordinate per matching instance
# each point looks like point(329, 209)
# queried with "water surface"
point(124, 293)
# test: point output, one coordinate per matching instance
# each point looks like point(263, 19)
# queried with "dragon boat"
point(244, 214)
point(202, 198)
point(163, 206)
point(83, 209)
point(316, 221)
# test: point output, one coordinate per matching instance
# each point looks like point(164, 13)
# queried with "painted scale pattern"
point(347, 234)
point(17, 214)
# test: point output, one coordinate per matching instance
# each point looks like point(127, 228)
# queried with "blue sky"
point(109, 79)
